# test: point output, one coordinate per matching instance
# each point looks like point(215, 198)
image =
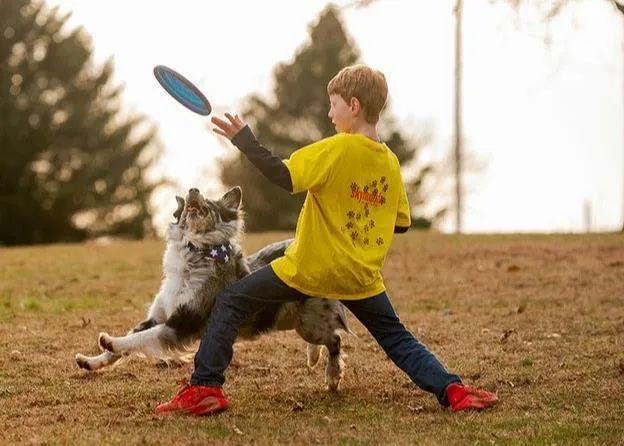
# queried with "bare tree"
point(552, 8)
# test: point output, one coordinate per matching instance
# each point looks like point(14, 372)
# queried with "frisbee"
point(182, 90)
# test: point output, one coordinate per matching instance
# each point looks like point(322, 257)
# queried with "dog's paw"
point(106, 342)
point(334, 373)
point(83, 362)
point(332, 384)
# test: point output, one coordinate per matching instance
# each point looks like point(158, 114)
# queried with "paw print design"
point(379, 241)
point(371, 224)
point(354, 235)
point(365, 241)
point(374, 183)
point(366, 188)
point(365, 228)
point(349, 225)
point(382, 200)
point(354, 186)
point(350, 214)
point(382, 180)
point(385, 188)
point(358, 216)
point(375, 191)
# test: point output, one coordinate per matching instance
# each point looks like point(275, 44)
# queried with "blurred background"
point(507, 115)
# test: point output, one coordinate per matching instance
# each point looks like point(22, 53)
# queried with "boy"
point(356, 201)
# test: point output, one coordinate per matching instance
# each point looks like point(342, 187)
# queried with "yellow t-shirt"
point(355, 198)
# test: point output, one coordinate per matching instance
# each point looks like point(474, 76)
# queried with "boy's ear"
point(232, 198)
point(354, 104)
point(178, 213)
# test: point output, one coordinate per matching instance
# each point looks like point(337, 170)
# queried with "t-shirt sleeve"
point(403, 219)
point(311, 165)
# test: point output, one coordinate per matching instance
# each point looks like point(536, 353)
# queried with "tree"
point(71, 164)
point(297, 116)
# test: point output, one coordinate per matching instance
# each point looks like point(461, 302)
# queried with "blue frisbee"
point(182, 90)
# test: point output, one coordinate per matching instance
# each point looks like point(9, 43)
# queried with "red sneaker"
point(464, 397)
point(196, 400)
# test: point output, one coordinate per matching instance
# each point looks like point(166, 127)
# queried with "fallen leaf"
point(85, 322)
point(506, 335)
point(415, 409)
point(520, 308)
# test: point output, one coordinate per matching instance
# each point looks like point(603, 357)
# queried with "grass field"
point(537, 318)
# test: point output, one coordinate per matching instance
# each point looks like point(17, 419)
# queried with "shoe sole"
point(208, 405)
point(475, 404)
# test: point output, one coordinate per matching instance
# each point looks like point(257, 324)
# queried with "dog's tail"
point(342, 316)
point(267, 254)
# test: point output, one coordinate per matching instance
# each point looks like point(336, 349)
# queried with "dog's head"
point(200, 215)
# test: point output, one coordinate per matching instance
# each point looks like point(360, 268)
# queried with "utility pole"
point(621, 10)
point(458, 116)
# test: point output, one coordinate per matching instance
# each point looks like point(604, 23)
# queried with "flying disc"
point(182, 90)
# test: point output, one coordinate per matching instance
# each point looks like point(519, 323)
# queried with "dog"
point(202, 256)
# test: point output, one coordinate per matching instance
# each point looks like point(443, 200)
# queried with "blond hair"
point(366, 85)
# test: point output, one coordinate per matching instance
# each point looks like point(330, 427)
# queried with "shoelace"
point(183, 384)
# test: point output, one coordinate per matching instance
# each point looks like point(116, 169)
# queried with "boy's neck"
point(366, 129)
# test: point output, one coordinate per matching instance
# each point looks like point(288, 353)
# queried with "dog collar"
point(220, 253)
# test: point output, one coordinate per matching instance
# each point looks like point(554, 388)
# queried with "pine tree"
point(297, 116)
point(71, 166)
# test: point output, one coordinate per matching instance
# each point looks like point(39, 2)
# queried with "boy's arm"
point(404, 219)
point(271, 166)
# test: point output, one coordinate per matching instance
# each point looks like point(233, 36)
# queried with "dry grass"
point(538, 319)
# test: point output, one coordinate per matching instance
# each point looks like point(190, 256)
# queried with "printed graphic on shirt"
point(360, 218)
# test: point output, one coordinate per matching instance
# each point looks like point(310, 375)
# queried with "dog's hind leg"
point(335, 364)
point(314, 353)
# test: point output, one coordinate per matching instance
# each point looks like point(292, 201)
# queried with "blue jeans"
point(249, 295)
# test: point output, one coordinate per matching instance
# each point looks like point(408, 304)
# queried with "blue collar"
point(220, 253)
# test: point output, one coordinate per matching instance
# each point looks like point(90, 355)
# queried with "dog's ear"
point(232, 198)
point(178, 213)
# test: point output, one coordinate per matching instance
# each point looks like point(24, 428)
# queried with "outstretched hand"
point(228, 129)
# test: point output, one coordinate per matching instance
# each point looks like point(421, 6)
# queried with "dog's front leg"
point(93, 363)
point(107, 358)
point(151, 342)
point(242, 268)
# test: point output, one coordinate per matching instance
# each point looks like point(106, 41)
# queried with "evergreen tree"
point(297, 116)
point(67, 155)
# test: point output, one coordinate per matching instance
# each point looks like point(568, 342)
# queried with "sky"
point(543, 118)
